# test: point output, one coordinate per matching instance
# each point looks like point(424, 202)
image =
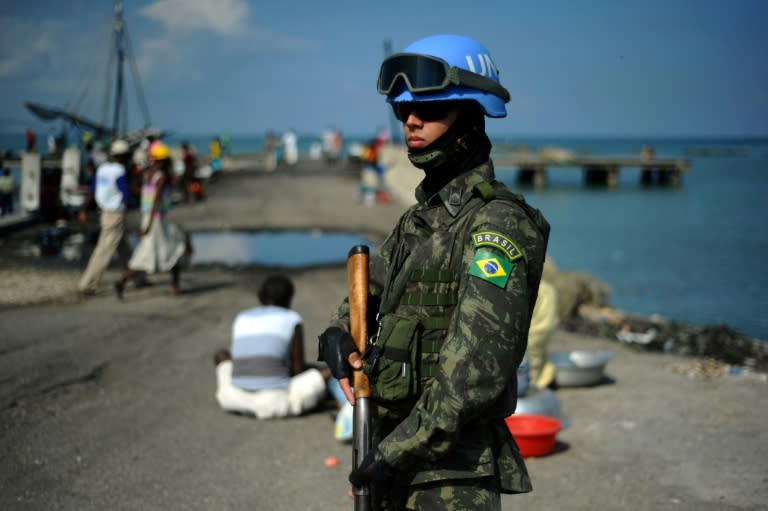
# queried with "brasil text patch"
point(497, 240)
point(491, 267)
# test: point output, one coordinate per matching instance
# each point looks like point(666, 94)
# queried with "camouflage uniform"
point(465, 264)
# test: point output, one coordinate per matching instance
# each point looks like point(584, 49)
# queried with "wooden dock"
point(597, 170)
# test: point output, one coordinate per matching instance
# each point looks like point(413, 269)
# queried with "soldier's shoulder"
point(504, 205)
point(502, 210)
point(509, 224)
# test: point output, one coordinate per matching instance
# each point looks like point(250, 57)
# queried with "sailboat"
point(117, 128)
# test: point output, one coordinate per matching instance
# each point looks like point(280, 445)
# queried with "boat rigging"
point(120, 52)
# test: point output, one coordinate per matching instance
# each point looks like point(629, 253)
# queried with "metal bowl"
point(579, 368)
point(538, 401)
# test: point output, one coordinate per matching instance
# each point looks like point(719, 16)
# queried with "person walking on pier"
point(163, 243)
point(31, 141)
point(191, 187)
point(456, 282)
point(215, 153)
point(110, 192)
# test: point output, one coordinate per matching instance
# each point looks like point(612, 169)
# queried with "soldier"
point(456, 283)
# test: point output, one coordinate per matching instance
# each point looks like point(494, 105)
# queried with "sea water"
point(277, 249)
point(695, 253)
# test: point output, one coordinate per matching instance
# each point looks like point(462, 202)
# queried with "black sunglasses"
point(424, 110)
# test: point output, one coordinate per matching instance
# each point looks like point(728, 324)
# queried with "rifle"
point(357, 281)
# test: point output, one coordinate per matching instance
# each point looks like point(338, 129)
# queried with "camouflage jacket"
point(496, 244)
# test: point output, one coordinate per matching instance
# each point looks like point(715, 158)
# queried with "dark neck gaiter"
point(463, 147)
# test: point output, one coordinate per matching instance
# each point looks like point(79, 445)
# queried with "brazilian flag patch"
point(491, 267)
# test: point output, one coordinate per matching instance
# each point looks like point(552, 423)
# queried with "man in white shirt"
point(110, 191)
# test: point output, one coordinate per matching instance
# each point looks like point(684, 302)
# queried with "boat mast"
point(120, 48)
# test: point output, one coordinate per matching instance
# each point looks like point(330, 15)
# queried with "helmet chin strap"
point(442, 151)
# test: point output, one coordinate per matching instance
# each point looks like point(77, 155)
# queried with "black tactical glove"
point(334, 347)
point(375, 472)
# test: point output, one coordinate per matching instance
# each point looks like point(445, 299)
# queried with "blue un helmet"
point(444, 68)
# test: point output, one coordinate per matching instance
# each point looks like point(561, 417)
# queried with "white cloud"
point(193, 27)
point(224, 17)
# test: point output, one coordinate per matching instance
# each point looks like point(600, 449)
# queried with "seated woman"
point(264, 372)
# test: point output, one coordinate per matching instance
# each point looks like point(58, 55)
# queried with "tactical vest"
point(419, 299)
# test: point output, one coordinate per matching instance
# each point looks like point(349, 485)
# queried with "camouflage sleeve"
point(485, 342)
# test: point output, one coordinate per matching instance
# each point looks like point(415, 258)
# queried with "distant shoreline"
point(244, 144)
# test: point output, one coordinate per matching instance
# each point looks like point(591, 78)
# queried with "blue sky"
point(574, 68)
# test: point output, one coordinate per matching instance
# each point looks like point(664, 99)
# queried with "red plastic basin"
point(534, 434)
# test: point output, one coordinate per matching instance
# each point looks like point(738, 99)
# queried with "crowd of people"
point(283, 150)
point(146, 177)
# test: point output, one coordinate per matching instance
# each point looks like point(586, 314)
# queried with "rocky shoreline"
point(585, 308)
point(720, 343)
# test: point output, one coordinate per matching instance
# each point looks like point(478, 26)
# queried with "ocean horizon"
point(694, 253)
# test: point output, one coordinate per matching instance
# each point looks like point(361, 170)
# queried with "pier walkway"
point(532, 171)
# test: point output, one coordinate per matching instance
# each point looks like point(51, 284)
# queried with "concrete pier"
point(597, 171)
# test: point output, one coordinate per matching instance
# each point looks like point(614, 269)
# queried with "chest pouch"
point(392, 362)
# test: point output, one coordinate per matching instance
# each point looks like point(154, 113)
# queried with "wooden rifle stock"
point(357, 281)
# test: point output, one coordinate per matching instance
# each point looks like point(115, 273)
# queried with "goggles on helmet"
point(424, 73)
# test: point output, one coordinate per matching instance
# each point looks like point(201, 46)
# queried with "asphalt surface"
point(110, 405)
